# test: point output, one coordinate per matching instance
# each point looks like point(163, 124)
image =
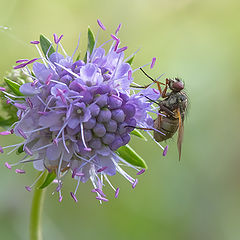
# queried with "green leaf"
point(46, 46)
point(130, 60)
point(137, 133)
point(13, 86)
point(20, 150)
point(49, 179)
point(78, 57)
point(91, 43)
point(130, 156)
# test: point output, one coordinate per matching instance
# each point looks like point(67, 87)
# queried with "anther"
point(73, 196)
point(101, 25)
point(135, 183)
point(102, 199)
point(117, 192)
point(165, 151)
point(7, 165)
point(141, 172)
point(20, 171)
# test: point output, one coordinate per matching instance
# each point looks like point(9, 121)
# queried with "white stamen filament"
point(82, 135)
point(68, 70)
point(37, 179)
point(131, 55)
point(141, 67)
point(63, 49)
point(155, 140)
point(105, 176)
point(76, 47)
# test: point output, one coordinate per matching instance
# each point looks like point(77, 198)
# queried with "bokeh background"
point(198, 198)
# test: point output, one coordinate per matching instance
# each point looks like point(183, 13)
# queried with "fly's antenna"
point(147, 75)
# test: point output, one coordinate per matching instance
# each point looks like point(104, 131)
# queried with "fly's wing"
point(180, 134)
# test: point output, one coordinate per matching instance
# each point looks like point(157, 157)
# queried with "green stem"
point(36, 211)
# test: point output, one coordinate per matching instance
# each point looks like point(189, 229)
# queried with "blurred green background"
point(198, 198)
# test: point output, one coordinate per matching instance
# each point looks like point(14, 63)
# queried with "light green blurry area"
point(197, 198)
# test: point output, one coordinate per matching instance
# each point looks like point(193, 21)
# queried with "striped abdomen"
point(166, 125)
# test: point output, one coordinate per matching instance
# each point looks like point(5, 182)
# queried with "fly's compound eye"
point(177, 86)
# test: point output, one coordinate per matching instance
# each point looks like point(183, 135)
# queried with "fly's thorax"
point(176, 100)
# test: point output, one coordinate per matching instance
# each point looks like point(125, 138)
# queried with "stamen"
point(117, 192)
point(59, 187)
point(73, 196)
point(102, 169)
point(55, 141)
point(63, 49)
point(68, 70)
point(98, 190)
point(160, 76)
point(117, 42)
point(20, 171)
point(115, 38)
point(141, 171)
point(20, 131)
point(83, 139)
point(79, 174)
point(43, 113)
point(155, 140)
point(165, 151)
point(36, 130)
point(101, 25)
point(19, 105)
point(59, 167)
point(76, 47)
point(25, 64)
point(27, 150)
point(102, 199)
point(22, 60)
point(129, 75)
point(28, 188)
point(153, 63)
point(105, 176)
point(7, 165)
point(76, 173)
point(122, 49)
point(30, 103)
point(105, 43)
point(123, 173)
point(48, 51)
point(141, 67)
point(34, 42)
point(56, 39)
point(5, 133)
point(49, 78)
point(118, 28)
point(132, 55)
point(62, 129)
point(135, 183)
point(64, 142)
point(34, 82)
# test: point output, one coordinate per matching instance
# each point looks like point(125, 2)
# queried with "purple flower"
point(77, 114)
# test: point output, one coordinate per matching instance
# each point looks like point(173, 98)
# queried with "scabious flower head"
point(74, 115)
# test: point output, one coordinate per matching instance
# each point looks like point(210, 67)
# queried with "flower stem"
point(36, 211)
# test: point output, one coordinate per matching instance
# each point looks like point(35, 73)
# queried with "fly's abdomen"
point(166, 125)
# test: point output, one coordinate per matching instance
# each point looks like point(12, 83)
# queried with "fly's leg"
point(162, 107)
point(164, 92)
